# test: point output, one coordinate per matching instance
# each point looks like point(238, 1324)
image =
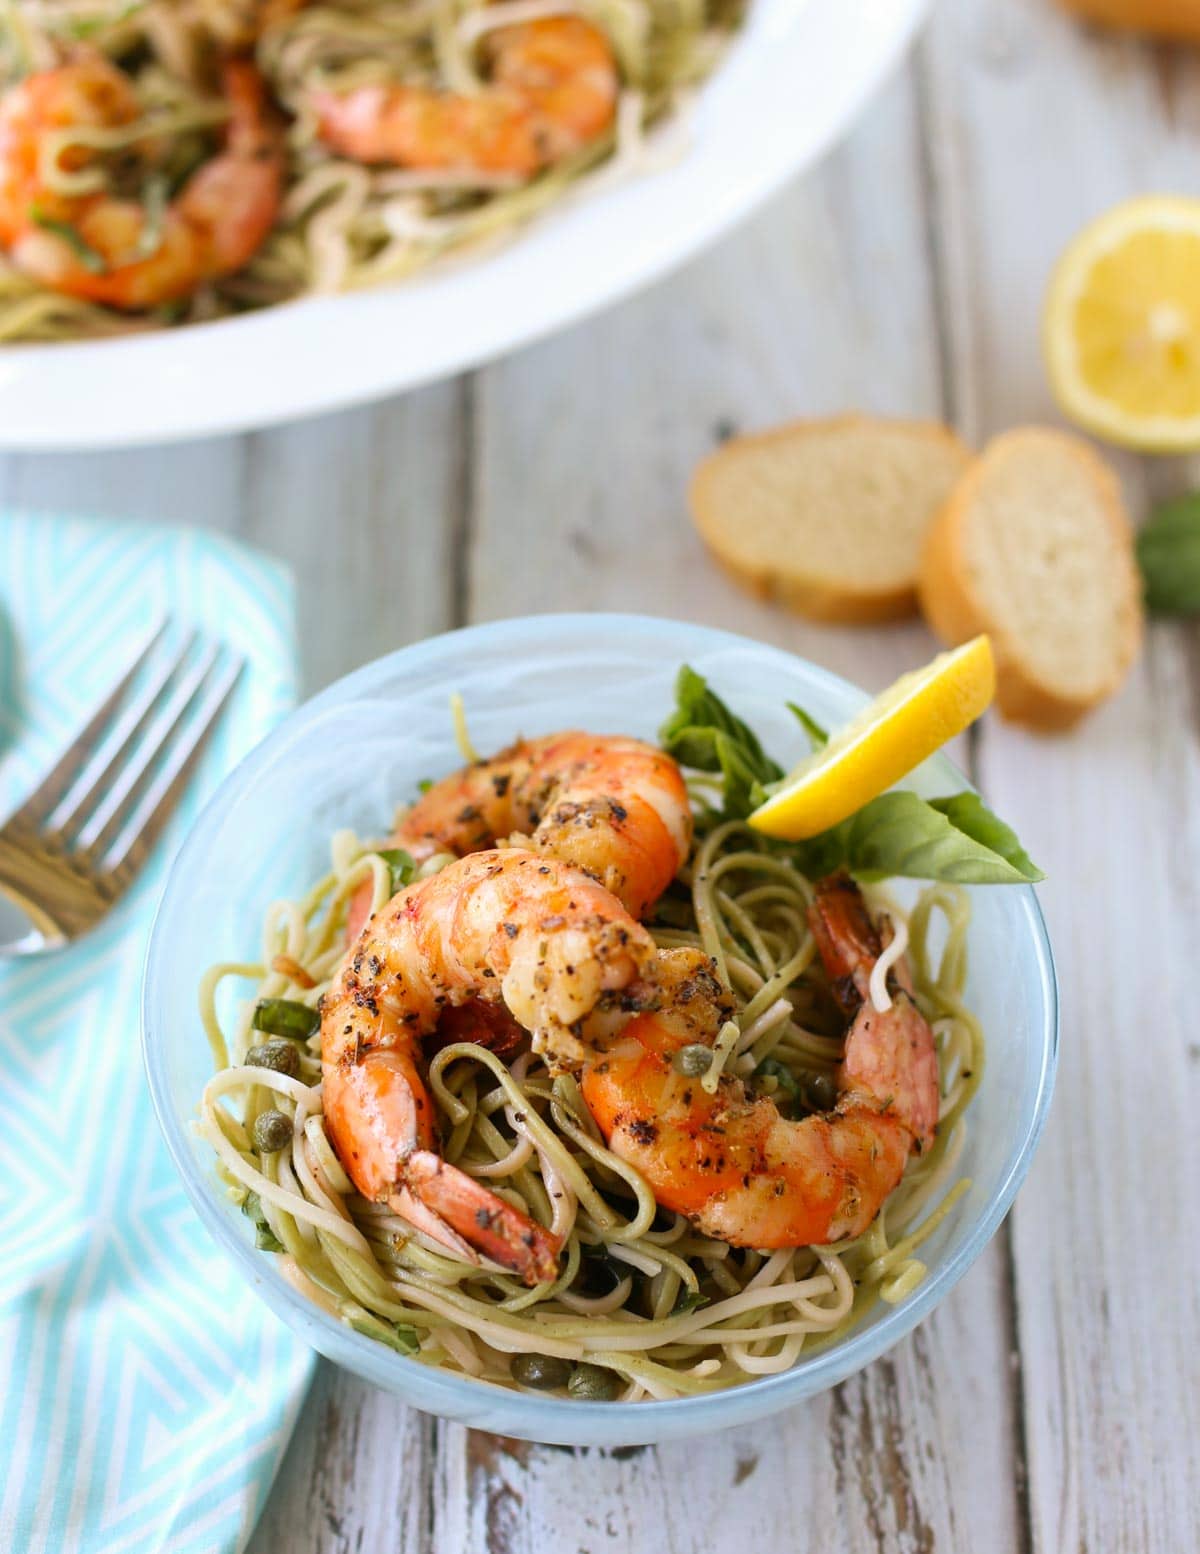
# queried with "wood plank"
point(1106, 1251)
point(585, 446)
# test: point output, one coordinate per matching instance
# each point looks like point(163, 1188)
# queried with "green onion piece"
point(286, 1017)
point(266, 1240)
point(400, 867)
point(692, 1301)
point(89, 257)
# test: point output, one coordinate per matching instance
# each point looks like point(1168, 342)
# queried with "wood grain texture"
point(1106, 1251)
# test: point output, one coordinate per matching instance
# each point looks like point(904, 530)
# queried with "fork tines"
point(114, 789)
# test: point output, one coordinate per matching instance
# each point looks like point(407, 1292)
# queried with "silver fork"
point(76, 844)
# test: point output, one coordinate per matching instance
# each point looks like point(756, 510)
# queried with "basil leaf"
point(818, 737)
point(702, 733)
point(401, 867)
point(967, 813)
point(955, 839)
point(1168, 552)
point(90, 258)
point(286, 1017)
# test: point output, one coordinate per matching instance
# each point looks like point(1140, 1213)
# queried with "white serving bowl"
point(791, 82)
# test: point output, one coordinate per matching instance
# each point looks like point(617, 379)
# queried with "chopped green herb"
point(425, 784)
point(266, 1240)
point(89, 257)
point(692, 1301)
point(396, 1335)
point(401, 867)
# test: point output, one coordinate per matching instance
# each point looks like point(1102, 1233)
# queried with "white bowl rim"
point(271, 366)
point(562, 1419)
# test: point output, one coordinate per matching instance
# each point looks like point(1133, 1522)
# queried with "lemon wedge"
point(901, 727)
point(1122, 326)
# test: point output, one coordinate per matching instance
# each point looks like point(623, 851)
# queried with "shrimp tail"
point(379, 1117)
point(482, 1219)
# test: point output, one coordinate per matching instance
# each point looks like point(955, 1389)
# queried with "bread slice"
point(1034, 547)
point(1171, 18)
point(828, 517)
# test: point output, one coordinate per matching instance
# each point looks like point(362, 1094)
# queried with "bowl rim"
point(570, 1421)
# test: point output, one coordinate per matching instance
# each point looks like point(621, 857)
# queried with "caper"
point(276, 1054)
point(272, 1130)
point(593, 1384)
point(820, 1092)
point(692, 1061)
point(544, 1371)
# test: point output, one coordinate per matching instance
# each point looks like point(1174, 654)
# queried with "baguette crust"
point(955, 611)
point(1170, 18)
point(841, 601)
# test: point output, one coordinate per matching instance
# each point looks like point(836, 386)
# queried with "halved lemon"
point(1122, 326)
point(902, 726)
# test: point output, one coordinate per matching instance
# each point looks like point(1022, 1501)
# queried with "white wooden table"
point(1053, 1403)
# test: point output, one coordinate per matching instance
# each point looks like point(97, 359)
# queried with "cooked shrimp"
point(744, 1173)
point(509, 927)
point(553, 89)
point(612, 805)
point(108, 249)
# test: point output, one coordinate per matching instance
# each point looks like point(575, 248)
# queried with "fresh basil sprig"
point(702, 733)
point(1168, 552)
point(956, 839)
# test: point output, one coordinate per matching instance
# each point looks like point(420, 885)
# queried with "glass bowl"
point(349, 755)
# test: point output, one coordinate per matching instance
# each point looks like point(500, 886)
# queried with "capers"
point(593, 1384)
point(272, 1130)
point(820, 1092)
point(544, 1371)
point(276, 1054)
point(692, 1061)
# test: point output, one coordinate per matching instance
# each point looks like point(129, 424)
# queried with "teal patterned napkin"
point(146, 1395)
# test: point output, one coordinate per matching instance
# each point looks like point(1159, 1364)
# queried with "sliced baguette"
point(828, 517)
point(1170, 18)
point(1034, 547)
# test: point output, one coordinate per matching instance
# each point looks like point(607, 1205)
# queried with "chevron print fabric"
point(146, 1395)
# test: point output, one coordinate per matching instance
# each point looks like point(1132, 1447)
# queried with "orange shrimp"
point(610, 804)
point(504, 927)
point(729, 1160)
point(104, 248)
point(553, 89)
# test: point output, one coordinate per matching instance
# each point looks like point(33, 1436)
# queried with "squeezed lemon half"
point(1122, 326)
point(901, 727)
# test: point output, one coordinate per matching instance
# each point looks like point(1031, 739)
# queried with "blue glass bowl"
point(347, 757)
